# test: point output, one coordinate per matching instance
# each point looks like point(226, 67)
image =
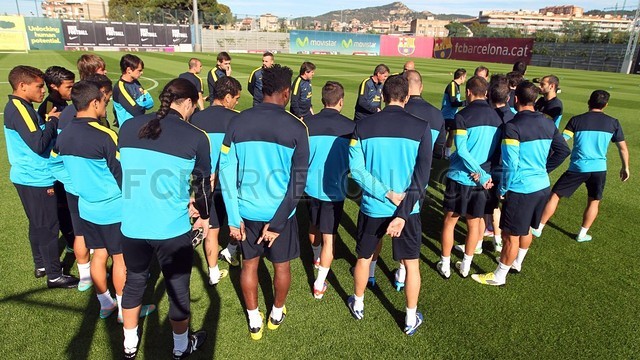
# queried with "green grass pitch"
point(571, 301)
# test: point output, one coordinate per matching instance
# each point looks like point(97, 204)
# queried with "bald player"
point(409, 65)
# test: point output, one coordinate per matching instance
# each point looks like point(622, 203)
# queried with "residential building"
point(269, 22)
point(76, 9)
point(429, 27)
point(550, 18)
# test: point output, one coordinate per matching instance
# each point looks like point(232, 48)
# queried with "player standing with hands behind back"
point(263, 170)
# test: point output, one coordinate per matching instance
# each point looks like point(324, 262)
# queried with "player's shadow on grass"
point(432, 217)
point(80, 345)
point(557, 227)
point(212, 315)
point(396, 314)
point(265, 283)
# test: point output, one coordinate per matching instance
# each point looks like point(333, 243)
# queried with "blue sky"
point(292, 8)
point(286, 8)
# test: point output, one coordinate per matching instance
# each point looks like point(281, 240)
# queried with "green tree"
point(546, 35)
point(456, 29)
point(170, 11)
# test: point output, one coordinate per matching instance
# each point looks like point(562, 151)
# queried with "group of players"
point(160, 185)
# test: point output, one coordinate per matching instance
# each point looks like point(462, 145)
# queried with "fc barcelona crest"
point(406, 46)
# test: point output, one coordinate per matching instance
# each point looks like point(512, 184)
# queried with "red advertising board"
point(499, 50)
point(406, 46)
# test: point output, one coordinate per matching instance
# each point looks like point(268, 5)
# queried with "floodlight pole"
point(196, 26)
point(633, 42)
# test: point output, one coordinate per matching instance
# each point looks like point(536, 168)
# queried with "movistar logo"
point(347, 44)
point(302, 43)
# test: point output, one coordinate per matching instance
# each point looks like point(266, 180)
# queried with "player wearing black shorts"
point(385, 176)
point(329, 137)
point(62, 175)
point(162, 157)
point(263, 171)
point(215, 121)
point(94, 170)
point(528, 140)
point(592, 132)
point(498, 95)
point(477, 137)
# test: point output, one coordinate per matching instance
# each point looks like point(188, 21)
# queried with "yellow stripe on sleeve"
point(224, 149)
point(362, 86)
point(569, 133)
point(511, 142)
point(353, 142)
point(53, 154)
point(31, 125)
point(460, 132)
point(296, 86)
point(126, 95)
point(109, 132)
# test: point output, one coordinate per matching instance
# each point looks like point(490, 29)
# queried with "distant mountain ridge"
point(391, 12)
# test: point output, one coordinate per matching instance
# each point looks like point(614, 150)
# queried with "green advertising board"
point(44, 34)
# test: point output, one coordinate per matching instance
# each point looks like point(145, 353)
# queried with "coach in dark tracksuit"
point(383, 174)
point(28, 147)
point(301, 91)
point(370, 93)
point(160, 158)
point(263, 170)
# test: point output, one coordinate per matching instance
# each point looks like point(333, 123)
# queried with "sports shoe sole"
point(476, 277)
point(586, 238)
point(84, 286)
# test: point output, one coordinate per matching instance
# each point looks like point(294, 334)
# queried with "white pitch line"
point(155, 83)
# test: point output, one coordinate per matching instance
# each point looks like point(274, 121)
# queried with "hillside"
point(392, 12)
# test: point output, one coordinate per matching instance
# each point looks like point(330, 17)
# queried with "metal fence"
point(223, 40)
point(595, 57)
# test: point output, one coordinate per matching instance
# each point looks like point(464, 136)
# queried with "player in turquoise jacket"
point(129, 98)
point(532, 147)
point(263, 172)
point(329, 137)
point(477, 138)
point(384, 174)
point(28, 147)
point(592, 132)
